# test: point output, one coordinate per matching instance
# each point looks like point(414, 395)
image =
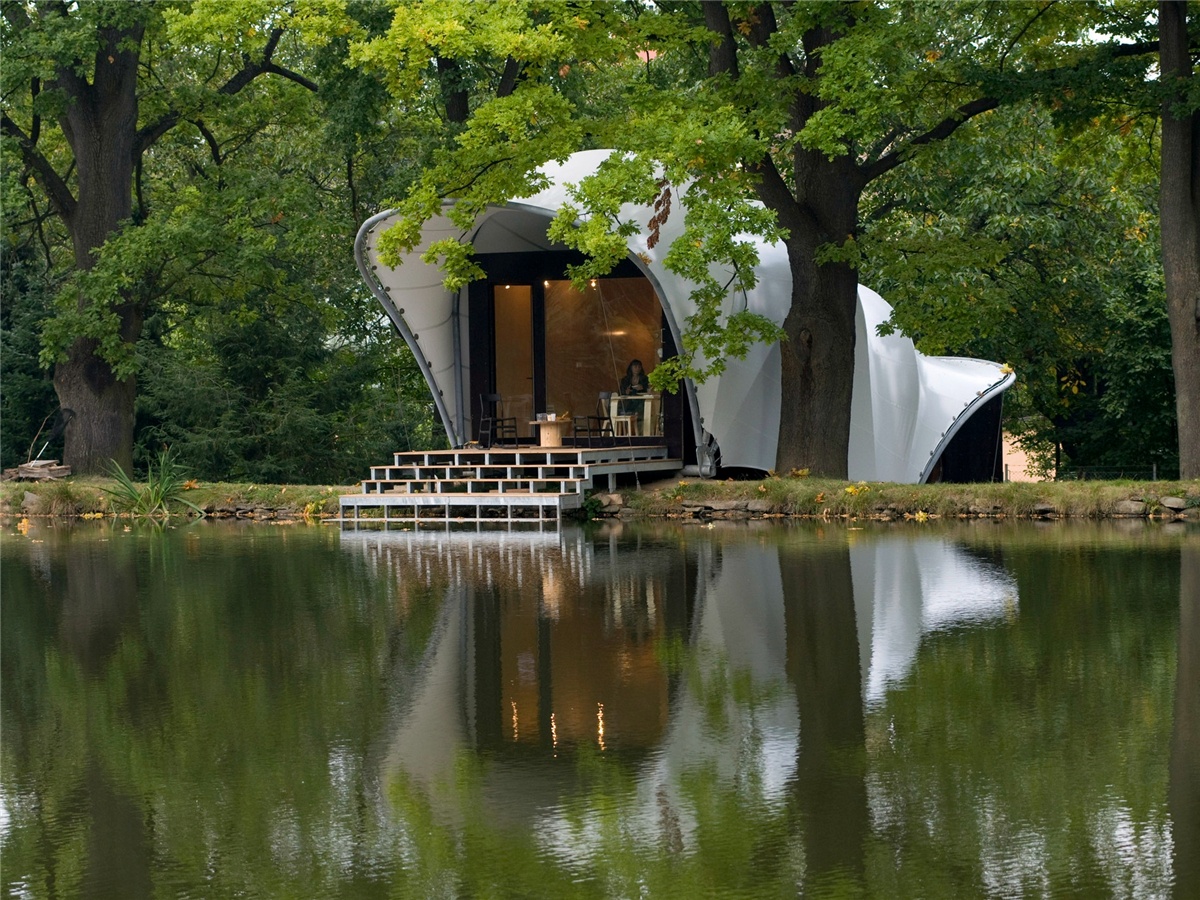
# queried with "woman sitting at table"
point(634, 384)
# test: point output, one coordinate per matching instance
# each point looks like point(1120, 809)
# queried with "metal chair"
point(599, 425)
point(587, 427)
point(495, 428)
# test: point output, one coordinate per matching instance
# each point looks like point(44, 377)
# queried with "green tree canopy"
point(1043, 253)
point(776, 116)
point(226, 294)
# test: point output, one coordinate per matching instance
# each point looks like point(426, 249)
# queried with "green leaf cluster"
point(1035, 246)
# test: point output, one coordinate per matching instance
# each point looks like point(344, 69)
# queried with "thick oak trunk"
point(100, 123)
point(818, 370)
point(102, 427)
point(1180, 214)
point(818, 355)
point(819, 209)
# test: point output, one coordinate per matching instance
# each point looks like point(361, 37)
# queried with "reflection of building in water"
point(543, 642)
point(671, 656)
point(905, 589)
point(568, 649)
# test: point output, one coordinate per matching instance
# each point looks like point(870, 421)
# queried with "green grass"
point(820, 497)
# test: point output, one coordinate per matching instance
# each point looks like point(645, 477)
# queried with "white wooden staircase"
point(497, 484)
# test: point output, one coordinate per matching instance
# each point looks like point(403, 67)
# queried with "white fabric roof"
point(906, 406)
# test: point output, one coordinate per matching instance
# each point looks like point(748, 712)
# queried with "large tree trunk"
point(818, 368)
point(102, 427)
point(100, 123)
point(818, 355)
point(820, 211)
point(1179, 208)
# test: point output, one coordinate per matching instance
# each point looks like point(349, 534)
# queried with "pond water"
point(619, 710)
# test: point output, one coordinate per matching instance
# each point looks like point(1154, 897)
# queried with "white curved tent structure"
point(906, 408)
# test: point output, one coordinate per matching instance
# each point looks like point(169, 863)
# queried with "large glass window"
point(591, 337)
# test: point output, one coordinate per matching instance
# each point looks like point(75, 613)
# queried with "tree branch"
point(249, 71)
point(763, 24)
point(271, 68)
point(776, 195)
point(56, 188)
point(36, 226)
point(509, 78)
point(65, 69)
point(1020, 34)
point(455, 191)
point(148, 135)
point(35, 128)
point(950, 124)
point(722, 54)
point(938, 132)
point(453, 95)
point(214, 147)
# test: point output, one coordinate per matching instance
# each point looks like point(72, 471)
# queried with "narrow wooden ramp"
point(498, 484)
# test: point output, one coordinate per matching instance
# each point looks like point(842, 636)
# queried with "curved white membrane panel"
point(906, 406)
point(905, 589)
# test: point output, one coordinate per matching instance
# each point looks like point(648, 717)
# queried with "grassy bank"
point(90, 497)
point(689, 498)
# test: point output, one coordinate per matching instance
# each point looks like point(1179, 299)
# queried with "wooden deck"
point(498, 484)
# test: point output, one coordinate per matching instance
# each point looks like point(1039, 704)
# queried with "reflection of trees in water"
point(233, 711)
point(187, 712)
point(830, 798)
point(1033, 744)
point(952, 754)
point(1184, 792)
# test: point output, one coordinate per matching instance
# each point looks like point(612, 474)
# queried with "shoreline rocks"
point(614, 505)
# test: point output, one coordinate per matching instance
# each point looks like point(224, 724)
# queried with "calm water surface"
point(215, 711)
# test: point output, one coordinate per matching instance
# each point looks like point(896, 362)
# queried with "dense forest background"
point(221, 296)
